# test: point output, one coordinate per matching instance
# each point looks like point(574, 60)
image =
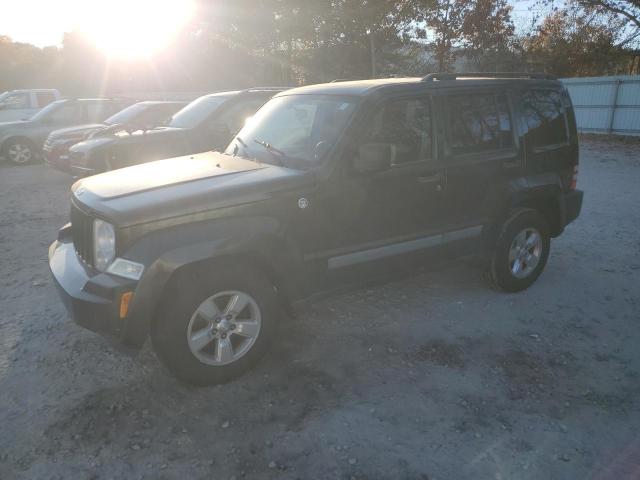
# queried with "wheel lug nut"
point(218, 319)
point(228, 317)
point(233, 326)
point(224, 335)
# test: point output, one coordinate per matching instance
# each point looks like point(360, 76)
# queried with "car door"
point(16, 106)
point(66, 114)
point(375, 219)
point(480, 152)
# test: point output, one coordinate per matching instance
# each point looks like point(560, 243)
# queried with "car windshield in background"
point(294, 130)
point(197, 111)
point(46, 111)
point(127, 115)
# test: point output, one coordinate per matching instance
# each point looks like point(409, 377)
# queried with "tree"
point(488, 32)
point(575, 42)
point(439, 24)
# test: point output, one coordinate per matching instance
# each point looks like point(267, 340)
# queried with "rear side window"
point(478, 123)
point(45, 98)
point(15, 101)
point(543, 114)
point(406, 125)
point(98, 111)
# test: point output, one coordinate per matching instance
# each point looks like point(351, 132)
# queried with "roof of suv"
point(229, 93)
point(364, 87)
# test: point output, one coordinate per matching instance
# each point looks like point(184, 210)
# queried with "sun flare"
point(134, 28)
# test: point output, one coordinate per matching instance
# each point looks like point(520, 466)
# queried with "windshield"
point(197, 111)
point(294, 129)
point(44, 113)
point(127, 115)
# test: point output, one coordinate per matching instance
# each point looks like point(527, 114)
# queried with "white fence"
point(609, 105)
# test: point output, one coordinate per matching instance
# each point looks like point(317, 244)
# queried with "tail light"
point(574, 179)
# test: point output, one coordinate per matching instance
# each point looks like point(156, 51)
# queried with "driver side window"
point(406, 125)
point(236, 116)
point(66, 114)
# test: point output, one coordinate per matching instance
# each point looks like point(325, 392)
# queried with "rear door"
point(480, 152)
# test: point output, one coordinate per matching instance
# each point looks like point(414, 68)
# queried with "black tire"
point(500, 270)
point(169, 332)
point(19, 151)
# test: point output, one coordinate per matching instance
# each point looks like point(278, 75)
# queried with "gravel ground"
point(431, 377)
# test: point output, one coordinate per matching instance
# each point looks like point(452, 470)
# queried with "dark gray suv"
point(328, 185)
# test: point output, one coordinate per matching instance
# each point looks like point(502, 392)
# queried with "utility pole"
point(372, 43)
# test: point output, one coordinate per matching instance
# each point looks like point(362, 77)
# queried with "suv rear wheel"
point(217, 327)
point(521, 251)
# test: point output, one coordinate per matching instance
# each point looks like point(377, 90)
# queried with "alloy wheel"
point(224, 328)
point(19, 153)
point(525, 252)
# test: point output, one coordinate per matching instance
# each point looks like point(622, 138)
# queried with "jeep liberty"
point(327, 185)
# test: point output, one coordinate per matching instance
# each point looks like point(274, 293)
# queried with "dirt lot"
point(433, 377)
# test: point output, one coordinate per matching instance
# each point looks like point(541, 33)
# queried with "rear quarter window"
point(543, 115)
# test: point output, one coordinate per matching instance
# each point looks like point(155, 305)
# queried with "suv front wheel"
point(521, 251)
point(19, 152)
point(217, 327)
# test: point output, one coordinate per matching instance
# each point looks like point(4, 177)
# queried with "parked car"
point(141, 116)
point(328, 185)
point(22, 141)
point(207, 123)
point(23, 104)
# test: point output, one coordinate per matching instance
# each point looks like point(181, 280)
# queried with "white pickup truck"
point(23, 104)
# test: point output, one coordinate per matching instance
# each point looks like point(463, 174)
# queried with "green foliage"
point(291, 42)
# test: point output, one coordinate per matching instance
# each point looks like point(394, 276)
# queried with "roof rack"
point(268, 89)
point(454, 76)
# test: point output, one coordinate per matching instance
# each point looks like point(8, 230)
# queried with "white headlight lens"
point(126, 268)
point(104, 244)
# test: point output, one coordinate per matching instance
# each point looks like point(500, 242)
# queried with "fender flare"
point(269, 250)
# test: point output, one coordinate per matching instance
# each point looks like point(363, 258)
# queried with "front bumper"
point(572, 205)
point(92, 298)
point(57, 160)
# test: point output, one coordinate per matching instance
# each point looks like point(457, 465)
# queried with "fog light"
point(125, 300)
point(126, 268)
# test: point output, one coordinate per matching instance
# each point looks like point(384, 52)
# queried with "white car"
point(23, 104)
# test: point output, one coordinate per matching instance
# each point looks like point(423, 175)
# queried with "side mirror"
point(321, 149)
point(374, 157)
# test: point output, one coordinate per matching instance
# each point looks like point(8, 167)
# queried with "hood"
point(183, 185)
point(123, 138)
point(14, 124)
point(78, 131)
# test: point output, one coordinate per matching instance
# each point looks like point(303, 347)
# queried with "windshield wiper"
point(276, 152)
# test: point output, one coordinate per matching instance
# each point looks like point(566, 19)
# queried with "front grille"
point(82, 232)
point(48, 144)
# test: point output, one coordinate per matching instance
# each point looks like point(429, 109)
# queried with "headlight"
point(104, 244)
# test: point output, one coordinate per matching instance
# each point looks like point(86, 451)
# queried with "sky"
point(114, 26)
point(43, 22)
